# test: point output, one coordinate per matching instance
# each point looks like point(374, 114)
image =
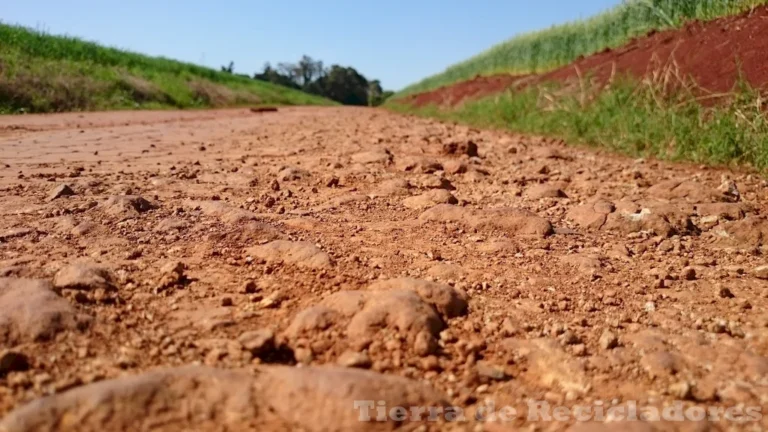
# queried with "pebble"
point(425, 344)
point(354, 359)
point(761, 272)
point(608, 340)
point(258, 342)
point(490, 371)
point(689, 274)
point(724, 292)
point(681, 391)
point(13, 361)
point(61, 191)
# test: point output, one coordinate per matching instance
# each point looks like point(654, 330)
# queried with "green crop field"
point(559, 45)
point(45, 73)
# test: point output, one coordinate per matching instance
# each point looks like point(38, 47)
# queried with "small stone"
point(718, 326)
point(447, 336)
point(226, 301)
point(681, 391)
point(490, 371)
point(579, 350)
point(354, 360)
point(761, 272)
point(273, 300)
point(608, 340)
point(332, 181)
point(430, 363)
point(173, 267)
point(258, 342)
point(171, 274)
point(249, 287)
point(12, 361)
point(724, 292)
point(425, 344)
point(303, 355)
point(84, 276)
point(569, 338)
point(455, 166)
point(689, 274)
point(275, 185)
point(60, 191)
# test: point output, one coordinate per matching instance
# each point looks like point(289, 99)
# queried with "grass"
point(562, 44)
point(45, 73)
point(661, 116)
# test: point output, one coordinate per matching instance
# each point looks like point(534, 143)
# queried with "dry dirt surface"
point(714, 55)
point(231, 271)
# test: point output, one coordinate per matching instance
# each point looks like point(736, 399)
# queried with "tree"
point(339, 83)
point(344, 85)
point(308, 70)
point(230, 68)
point(274, 76)
point(374, 93)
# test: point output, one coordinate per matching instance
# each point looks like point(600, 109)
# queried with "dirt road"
point(172, 270)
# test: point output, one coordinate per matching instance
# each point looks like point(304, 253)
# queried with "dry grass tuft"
point(47, 91)
point(143, 91)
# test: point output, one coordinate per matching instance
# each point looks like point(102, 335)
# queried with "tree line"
point(341, 84)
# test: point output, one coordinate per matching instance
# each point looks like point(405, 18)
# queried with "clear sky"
point(396, 41)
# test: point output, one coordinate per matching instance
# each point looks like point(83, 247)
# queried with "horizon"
point(376, 56)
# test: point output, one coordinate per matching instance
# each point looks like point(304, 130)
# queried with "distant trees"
point(276, 76)
point(342, 84)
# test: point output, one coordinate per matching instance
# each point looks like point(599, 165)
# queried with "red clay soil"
point(476, 87)
point(711, 53)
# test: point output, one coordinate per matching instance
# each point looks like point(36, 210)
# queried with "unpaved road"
point(197, 259)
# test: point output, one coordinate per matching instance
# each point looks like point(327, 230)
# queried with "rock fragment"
point(61, 191)
point(458, 148)
point(354, 359)
point(127, 206)
point(85, 277)
point(608, 340)
point(31, 311)
point(258, 342)
point(430, 198)
point(13, 361)
point(301, 254)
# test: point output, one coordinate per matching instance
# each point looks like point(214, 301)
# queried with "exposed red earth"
point(225, 270)
point(713, 54)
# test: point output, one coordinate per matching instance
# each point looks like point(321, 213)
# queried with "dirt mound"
point(712, 53)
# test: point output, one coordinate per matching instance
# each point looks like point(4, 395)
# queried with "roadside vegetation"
point(662, 116)
point(44, 73)
point(562, 44)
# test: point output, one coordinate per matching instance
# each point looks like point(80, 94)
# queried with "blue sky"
point(396, 41)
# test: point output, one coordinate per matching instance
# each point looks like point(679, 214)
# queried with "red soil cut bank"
point(712, 53)
point(476, 87)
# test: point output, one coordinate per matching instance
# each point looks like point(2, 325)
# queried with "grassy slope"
point(657, 117)
point(562, 44)
point(635, 118)
point(43, 73)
